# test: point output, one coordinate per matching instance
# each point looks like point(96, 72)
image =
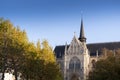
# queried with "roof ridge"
point(104, 42)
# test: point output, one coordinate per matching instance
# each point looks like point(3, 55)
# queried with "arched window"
point(71, 65)
point(77, 65)
point(74, 64)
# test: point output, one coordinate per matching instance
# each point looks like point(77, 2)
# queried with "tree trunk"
point(3, 73)
point(4, 68)
point(16, 77)
point(15, 70)
point(4, 55)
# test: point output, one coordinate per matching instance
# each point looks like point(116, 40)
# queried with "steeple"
point(82, 36)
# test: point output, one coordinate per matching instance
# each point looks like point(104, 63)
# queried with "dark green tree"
point(107, 68)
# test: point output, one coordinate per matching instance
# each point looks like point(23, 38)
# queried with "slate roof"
point(59, 50)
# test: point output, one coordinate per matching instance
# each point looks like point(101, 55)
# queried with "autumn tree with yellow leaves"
point(22, 58)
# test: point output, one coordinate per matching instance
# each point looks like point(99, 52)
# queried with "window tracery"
point(74, 64)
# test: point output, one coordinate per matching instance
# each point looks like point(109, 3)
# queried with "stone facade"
point(78, 58)
point(76, 62)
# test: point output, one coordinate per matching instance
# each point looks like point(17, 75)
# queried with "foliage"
point(40, 63)
point(12, 42)
point(107, 68)
point(23, 58)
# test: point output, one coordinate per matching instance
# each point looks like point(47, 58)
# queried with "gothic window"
point(71, 65)
point(72, 48)
point(60, 55)
point(77, 65)
point(75, 49)
point(74, 64)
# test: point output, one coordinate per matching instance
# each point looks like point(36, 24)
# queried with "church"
point(77, 58)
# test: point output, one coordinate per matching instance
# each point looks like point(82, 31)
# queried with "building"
point(77, 58)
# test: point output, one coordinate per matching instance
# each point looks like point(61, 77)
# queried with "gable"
point(75, 46)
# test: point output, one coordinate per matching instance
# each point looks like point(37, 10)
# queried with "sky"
point(57, 20)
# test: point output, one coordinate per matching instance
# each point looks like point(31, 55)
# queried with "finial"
point(74, 33)
point(65, 48)
point(81, 14)
point(66, 43)
point(97, 53)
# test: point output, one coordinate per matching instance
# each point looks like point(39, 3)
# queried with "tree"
point(47, 52)
point(107, 68)
point(18, 56)
point(40, 63)
point(12, 41)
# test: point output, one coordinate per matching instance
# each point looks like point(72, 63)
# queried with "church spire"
point(82, 36)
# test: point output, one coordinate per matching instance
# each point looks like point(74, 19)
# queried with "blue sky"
point(57, 20)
